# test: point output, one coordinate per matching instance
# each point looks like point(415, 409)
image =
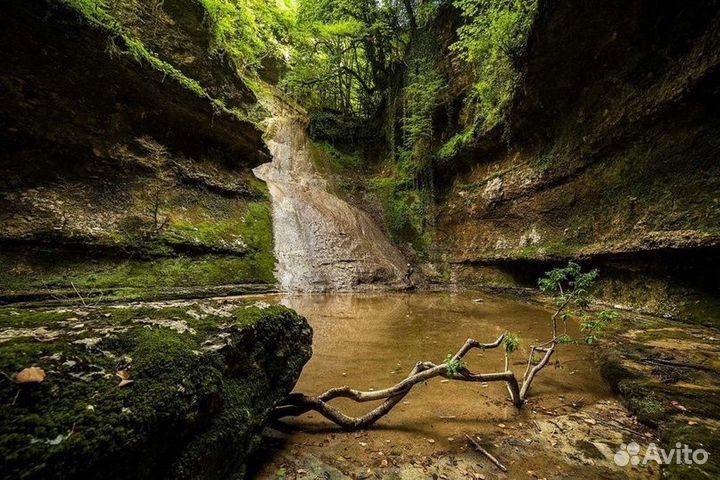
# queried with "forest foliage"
point(493, 41)
point(350, 56)
point(345, 51)
point(382, 59)
point(360, 65)
point(251, 31)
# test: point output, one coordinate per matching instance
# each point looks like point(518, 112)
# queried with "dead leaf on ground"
point(677, 405)
point(124, 376)
point(30, 375)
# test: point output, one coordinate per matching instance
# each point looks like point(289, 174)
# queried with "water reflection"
point(371, 341)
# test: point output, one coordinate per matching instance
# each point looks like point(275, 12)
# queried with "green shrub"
point(422, 96)
point(493, 41)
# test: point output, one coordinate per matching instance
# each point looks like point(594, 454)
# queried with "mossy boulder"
point(164, 390)
point(667, 373)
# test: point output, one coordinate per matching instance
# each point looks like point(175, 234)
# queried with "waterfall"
point(322, 243)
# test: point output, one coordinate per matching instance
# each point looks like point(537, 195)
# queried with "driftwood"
point(453, 369)
point(480, 449)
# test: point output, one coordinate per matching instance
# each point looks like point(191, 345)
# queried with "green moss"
point(618, 191)
point(456, 144)
point(561, 250)
point(258, 234)
point(136, 50)
point(162, 222)
point(45, 274)
point(250, 315)
point(208, 241)
point(92, 10)
point(97, 13)
point(548, 249)
point(405, 209)
point(646, 406)
point(666, 397)
point(239, 232)
point(695, 436)
point(30, 318)
point(330, 159)
point(57, 410)
point(80, 423)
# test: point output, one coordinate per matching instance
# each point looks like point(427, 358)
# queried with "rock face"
point(127, 163)
point(322, 243)
point(611, 159)
point(129, 146)
point(173, 390)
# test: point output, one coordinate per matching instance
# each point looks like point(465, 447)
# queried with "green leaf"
point(511, 342)
point(454, 367)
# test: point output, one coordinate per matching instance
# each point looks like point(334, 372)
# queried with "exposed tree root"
point(454, 369)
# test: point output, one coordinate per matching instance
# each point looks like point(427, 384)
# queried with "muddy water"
point(370, 341)
point(375, 340)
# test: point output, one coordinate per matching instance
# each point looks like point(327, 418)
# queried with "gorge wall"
point(607, 154)
point(131, 169)
point(128, 148)
point(612, 158)
point(128, 145)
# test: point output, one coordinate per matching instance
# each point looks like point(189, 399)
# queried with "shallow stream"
point(372, 341)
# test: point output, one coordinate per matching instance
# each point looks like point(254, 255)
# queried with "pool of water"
point(372, 341)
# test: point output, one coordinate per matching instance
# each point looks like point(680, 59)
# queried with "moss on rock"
point(204, 377)
point(667, 374)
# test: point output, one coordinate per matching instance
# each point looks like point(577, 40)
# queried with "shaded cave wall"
point(122, 173)
point(610, 157)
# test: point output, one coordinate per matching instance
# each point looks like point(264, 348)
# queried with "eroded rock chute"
point(322, 243)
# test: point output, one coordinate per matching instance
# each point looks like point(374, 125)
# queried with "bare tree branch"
point(453, 369)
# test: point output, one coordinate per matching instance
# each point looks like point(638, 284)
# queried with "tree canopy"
point(249, 31)
point(345, 51)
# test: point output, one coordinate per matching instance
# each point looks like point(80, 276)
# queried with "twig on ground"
point(489, 456)
point(78, 294)
point(612, 424)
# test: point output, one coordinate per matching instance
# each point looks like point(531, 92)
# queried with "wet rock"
point(321, 242)
point(137, 383)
